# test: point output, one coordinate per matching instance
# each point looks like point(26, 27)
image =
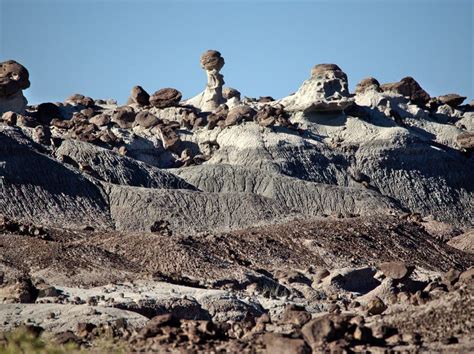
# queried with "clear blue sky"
point(102, 48)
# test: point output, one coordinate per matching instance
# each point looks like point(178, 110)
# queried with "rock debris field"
point(324, 221)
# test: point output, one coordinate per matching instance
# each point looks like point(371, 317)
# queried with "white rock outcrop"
point(325, 91)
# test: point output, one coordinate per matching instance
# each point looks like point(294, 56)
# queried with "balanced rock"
point(326, 91)
point(452, 99)
point(167, 97)
point(14, 78)
point(410, 88)
point(139, 96)
point(212, 60)
point(367, 84)
point(212, 96)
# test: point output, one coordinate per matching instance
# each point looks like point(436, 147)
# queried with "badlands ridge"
point(325, 220)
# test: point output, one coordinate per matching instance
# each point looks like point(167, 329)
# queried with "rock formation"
point(326, 91)
point(241, 225)
point(212, 96)
point(452, 99)
point(366, 84)
point(139, 96)
point(410, 88)
point(167, 97)
point(14, 78)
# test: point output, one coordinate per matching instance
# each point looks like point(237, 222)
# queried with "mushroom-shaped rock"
point(451, 99)
point(166, 97)
point(367, 84)
point(320, 71)
point(14, 78)
point(211, 97)
point(139, 96)
point(146, 120)
point(410, 88)
point(124, 117)
point(239, 114)
point(212, 60)
point(327, 90)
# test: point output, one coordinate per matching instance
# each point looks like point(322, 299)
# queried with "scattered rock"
point(81, 100)
point(167, 135)
point(467, 276)
point(320, 330)
point(147, 120)
point(396, 270)
point(124, 117)
point(22, 290)
point(152, 328)
point(239, 114)
point(376, 306)
point(265, 99)
point(408, 87)
point(10, 118)
point(46, 112)
point(278, 344)
point(67, 337)
point(452, 99)
point(466, 140)
point(295, 315)
point(167, 97)
point(139, 96)
point(229, 92)
point(451, 277)
point(100, 120)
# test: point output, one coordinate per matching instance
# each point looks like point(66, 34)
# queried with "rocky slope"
point(322, 220)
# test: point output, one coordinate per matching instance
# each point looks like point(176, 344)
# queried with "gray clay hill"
point(322, 221)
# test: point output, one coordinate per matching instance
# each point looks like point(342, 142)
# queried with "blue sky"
point(102, 48)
